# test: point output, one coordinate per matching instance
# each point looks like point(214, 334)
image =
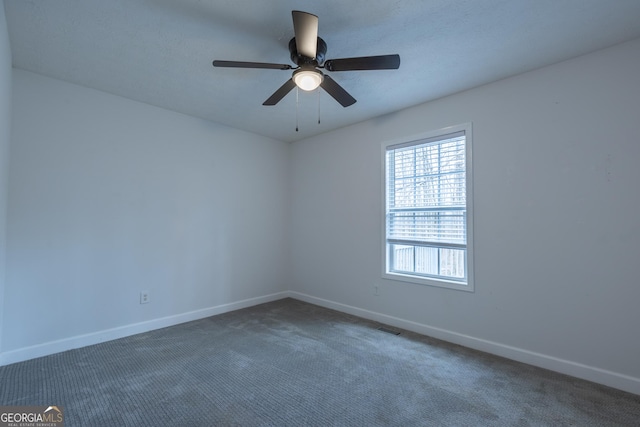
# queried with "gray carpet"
point(289, 363)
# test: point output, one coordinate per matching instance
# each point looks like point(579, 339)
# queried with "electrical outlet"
point(145, 297)
point(376, 290)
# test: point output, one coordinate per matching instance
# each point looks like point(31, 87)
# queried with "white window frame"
point(418, 279)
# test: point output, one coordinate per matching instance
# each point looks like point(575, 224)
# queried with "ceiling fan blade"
point(337, 92)
point(240, 64)
point(280, 93)
point(382, 62)
point(305, 27)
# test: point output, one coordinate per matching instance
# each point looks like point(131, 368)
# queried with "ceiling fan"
point(307, 52)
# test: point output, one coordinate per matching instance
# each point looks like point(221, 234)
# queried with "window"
point(428, 209)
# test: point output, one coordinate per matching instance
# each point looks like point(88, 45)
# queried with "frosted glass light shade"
point(308, 79)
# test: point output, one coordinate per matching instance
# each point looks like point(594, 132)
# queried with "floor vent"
point(389, 331)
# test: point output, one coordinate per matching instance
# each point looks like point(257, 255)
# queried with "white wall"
point(109, 197)
point(556, 200)
point(5, 135)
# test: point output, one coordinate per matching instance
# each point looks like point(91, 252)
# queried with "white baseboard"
point(71, 343)
point(567, 367)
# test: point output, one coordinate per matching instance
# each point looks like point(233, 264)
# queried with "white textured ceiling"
point(160, 51)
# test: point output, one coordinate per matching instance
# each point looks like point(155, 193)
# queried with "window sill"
point(440, 283)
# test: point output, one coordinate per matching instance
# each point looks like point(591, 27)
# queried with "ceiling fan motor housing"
point(302, 60)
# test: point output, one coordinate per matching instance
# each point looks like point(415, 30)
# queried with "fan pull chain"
point(297, 93)
point(318, 105)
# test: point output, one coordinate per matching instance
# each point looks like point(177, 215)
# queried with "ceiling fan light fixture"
point(307, 79)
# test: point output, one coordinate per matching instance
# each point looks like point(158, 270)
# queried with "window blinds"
point(426, 193)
